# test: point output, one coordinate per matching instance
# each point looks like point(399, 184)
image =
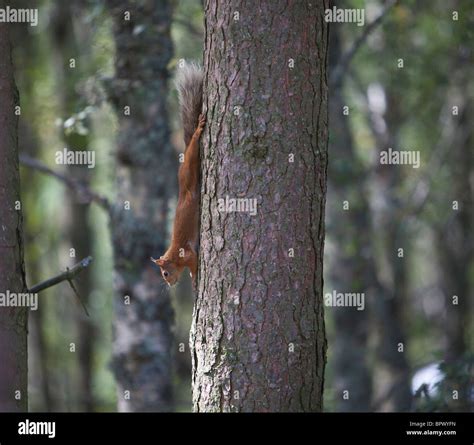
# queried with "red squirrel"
point(183, 250)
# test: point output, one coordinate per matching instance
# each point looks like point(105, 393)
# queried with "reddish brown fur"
point(184, 242)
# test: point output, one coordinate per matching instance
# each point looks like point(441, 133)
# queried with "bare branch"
point(341, 67)
point(82, 190)
point(71, 283)
point(68, 275)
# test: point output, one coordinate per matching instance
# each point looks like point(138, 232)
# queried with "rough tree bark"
point(258, 339)
point(13, 321)
point(147, 167)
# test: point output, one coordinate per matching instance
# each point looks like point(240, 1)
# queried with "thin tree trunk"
point(454, 245)
point(13, 320)
point(65, 47)
point(388, 306)
point(352, 260)
point(147, 167)
point(27, 55)
point(258, 339)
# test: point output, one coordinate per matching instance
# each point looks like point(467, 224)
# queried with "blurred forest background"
point(412, 346)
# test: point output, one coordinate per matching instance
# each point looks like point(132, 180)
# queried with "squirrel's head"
point(169, 270)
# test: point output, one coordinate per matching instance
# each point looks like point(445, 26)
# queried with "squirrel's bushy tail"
point(188, 82)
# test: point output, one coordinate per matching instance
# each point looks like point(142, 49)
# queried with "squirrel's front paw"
point(202, 122)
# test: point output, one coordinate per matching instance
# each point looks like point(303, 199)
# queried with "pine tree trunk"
point(258, 339)
point(146, 179)
point(13, 320)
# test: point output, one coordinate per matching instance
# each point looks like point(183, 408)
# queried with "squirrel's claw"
point(202, 121)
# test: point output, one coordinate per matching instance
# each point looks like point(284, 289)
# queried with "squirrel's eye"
point(165, 274)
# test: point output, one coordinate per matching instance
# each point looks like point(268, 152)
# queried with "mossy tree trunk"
point(13, 320)
point(146, 181)
point(258, 339)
